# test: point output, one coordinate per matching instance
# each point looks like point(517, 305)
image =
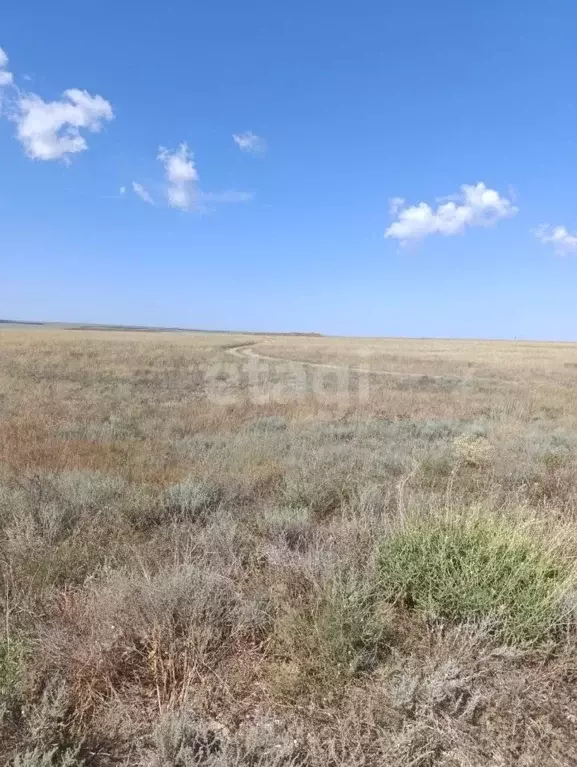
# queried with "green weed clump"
point(11, 669)
point(478, 569)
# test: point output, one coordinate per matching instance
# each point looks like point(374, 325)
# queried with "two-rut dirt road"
point(247, 350)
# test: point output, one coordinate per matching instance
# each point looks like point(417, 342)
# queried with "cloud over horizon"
point(56, 130)
point(475, 205)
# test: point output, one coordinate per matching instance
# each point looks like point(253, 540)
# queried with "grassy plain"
point(362, 554)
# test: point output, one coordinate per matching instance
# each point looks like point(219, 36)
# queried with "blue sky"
point(337, 108)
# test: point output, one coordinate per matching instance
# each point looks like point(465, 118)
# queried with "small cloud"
point(228, 196)
point(475, 205)
point(181, 176)
point(122, 190)
point(558, 236)
point(51, 130)
point(395, 204)
point(250, 142)
point(142, 192)
point(182, 184)
point(6, 78)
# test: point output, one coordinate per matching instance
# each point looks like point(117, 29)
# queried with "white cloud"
point(181, 176)
point(51, 130)
point(142, 192)
point(182, 184)
point(250, 142)
point(122, 190)
point(558, 236)
point(476, 205)
point(6, 77)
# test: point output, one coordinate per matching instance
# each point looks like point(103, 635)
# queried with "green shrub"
point(11, 666)
point(479, 569)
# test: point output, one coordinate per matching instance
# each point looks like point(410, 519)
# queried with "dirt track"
point(248, 350)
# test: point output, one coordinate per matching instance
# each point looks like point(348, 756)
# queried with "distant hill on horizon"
point(148, 328)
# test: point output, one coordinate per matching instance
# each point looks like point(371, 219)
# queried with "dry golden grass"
point(209, 557)
point(498, 359)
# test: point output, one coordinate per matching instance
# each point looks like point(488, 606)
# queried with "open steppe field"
point(223, 550)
